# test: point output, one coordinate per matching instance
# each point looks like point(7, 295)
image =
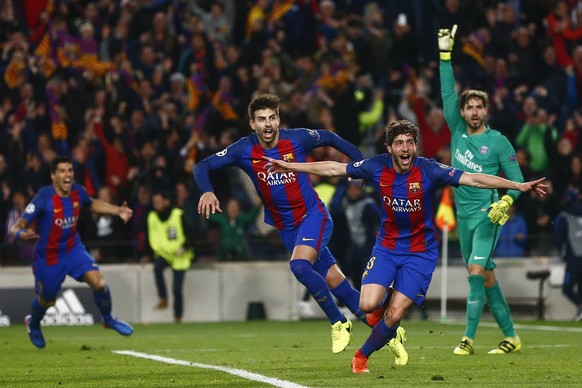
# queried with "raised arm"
point(327, 168)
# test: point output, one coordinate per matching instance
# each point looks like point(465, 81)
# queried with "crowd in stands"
point(137, 91)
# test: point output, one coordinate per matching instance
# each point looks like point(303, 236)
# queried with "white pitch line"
point(237, 372)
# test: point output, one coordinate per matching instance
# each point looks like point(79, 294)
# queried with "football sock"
point(103, 301)
point(37, 312)
point(350, 298)
point(304, 272)
point(475, 303)
point(500, 310)
point(379, 337)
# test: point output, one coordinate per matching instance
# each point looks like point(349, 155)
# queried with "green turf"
point(298, 352)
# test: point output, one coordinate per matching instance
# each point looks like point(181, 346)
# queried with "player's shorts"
point(478, 238)
point(49, 278)
point(315, 231)
point(410, 272)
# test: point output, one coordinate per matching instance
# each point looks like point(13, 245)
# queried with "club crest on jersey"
point(76, 204)
point(484, 150)
point(414, 187)
point(288, 158)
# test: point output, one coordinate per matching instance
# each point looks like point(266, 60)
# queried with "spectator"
point(233, 231)
point(363, 219)
point(107, 235)
point(18, 252)
point(567, 231)
point(513, 238)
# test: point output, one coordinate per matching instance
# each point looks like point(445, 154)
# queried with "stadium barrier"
point(223, 291)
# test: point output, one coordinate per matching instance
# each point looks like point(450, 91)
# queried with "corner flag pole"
point(444, 270)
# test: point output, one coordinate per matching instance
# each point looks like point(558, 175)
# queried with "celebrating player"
point(477, 148)
point(59, 250)
point(291, 205)
point(406, 250)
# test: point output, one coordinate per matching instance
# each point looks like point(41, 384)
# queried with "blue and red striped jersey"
point(56, 218)
point(408, 200)
point(287, 196)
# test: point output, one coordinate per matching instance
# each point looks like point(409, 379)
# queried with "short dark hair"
point(263, 101)
point(400, 127)
point(472, 93)
point(58, 160)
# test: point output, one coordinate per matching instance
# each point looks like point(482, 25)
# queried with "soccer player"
point(406, 250)
point(291, 205)
point(477, 148)
point(59, 251)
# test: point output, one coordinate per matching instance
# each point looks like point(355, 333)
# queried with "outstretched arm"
point(485, 181)
point(328, 168)
point(102, 207)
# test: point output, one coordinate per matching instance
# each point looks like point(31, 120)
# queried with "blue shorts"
point(315, 231)
point(49, 278)
point(410, 272)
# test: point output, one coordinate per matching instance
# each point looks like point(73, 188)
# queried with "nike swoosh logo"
point(58, 210)
point(383, 184)
point(463, 135)
point(478, 257)
point(307, 239)
point(257, 161)
point(473, 301)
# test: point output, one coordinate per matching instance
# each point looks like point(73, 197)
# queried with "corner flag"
point(445, 214)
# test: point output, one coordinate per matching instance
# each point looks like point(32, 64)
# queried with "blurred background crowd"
point(138, 91)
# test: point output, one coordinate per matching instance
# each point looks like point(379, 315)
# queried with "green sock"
point(500, 310)
point(475, 303)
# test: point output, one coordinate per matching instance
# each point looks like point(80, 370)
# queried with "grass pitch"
point(285, 354)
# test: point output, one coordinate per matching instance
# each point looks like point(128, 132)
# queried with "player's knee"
point(300, 268)
point(394, 315)
point(47, 303)
point(368, 305)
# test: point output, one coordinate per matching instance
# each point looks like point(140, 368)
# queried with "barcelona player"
point(477, 148)
point(291, 205)
point(406, 250)
point(59, 250)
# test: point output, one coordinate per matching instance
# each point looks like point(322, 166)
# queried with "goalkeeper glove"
point(498, 210)
point(446, 41)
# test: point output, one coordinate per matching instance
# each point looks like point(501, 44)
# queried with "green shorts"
point(478, 238)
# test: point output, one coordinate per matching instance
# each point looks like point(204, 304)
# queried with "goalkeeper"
point(481, 213)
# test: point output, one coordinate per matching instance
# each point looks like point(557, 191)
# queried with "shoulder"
point(44, 191)
point(78, 187)
point(495, 134)
point(300, 133)
point(238, 146)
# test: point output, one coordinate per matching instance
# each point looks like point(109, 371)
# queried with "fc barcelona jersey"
point(56, 218)
point(408, 199)
point(287, 196)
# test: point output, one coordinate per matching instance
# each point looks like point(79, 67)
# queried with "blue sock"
point(350, 298)
point(379, 337)
point(103, 301)
point(304, 272)
point(36, 313)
